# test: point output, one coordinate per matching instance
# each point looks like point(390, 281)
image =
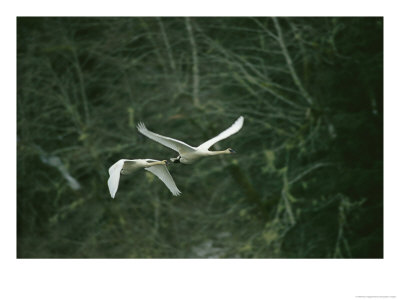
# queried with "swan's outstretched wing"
point(162, 172)
point(174, 144)
point(113, 181)
point(224, 134)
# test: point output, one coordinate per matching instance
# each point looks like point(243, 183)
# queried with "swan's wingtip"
point(239, 121)
point(140, 126)
point(112, 193)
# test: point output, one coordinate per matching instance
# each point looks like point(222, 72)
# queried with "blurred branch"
point(288, 207)
point(260, 80)
point(289, 62)
point(195, 68)
point(286, 196)
point(167, 45)
point(153, 43)
point(304, 173)
point(82, 84)
point(297, 35)
point(343, 209)
point(272, 35)
point(240, 178)
point(65, 99)
point(267, 86)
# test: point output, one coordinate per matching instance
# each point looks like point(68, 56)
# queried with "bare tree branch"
point(289, 63)
point(196, 78)
point(167, 45)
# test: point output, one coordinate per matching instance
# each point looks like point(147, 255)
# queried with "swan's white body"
point(189, 154)
point(128, 166)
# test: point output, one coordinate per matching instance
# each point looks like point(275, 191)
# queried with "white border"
point(198, 279)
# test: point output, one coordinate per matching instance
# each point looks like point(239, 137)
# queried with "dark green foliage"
point(307, 179)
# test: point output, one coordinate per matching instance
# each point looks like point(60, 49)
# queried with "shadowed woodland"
point(307, 179)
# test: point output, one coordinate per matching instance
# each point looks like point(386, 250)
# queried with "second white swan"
point(128, 166)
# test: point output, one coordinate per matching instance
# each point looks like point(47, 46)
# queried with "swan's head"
point(231, 151)
point(165, 162)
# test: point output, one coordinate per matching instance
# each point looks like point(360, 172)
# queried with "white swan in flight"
point(187, 153)
point(128, 166)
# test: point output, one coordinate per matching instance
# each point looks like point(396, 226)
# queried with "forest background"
point(307, 180)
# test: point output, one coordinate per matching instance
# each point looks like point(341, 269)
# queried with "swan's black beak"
point(232, 151)
point(166, 162)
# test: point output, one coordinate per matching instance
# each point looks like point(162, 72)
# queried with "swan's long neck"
point(218, 152)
